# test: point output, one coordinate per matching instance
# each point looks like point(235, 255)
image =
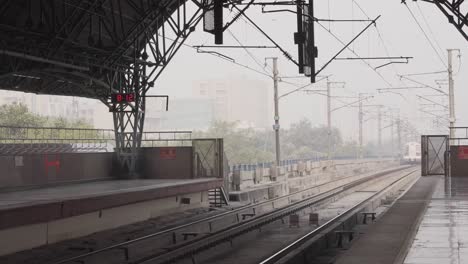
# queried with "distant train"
point(412, 154)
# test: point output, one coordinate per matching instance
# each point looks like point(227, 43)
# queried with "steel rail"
point(286, 251)
point(119, 246)
point(200, 244)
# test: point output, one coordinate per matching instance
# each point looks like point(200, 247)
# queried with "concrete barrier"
point(294, 177)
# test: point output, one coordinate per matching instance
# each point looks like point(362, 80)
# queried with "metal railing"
point(22, 140)
point(252, 167)
point(32, 140)
point(460, 136)
point(166, 138)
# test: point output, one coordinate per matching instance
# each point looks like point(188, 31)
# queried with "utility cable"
point(357, 55)
point(247, 51)
point(429, 27)
point(379, 34)
point(221, 57)
point(286, 54)
point(423, 73)
point(425, 35)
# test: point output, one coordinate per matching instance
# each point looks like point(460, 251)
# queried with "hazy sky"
point(396, 33)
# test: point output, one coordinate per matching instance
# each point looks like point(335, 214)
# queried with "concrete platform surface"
point(386, 241)
point(50, 203)
point(441, 237)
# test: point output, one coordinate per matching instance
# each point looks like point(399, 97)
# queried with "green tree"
point(19, 115)
point(14, 116)
point(246, 145)
point(240, 145)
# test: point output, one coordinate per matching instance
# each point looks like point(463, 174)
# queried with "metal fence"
point(31, 140)
point(434, 151)
point(21, 140)
point(252, 167)
point(208, 158)
point(166, 138)
point(460, 136)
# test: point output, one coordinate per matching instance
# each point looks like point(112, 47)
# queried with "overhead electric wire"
point(285, 53)
point(247, 51)
point(425, 85)
point(423, 73)
point(379, 34)
point(425, 35)
point(429, 27)
point(357, 55)
point(299, 88)
point(352, 50)
point(234, 62)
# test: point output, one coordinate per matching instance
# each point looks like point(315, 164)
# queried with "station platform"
point(441, 237)
point(51, 203)
point(387, 240)
point(52, 214)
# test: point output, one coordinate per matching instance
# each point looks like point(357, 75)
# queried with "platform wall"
point(43, 169)
point(458, 162)
point(167, 163)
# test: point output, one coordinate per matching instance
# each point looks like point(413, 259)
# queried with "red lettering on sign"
point(167, 153)
point(51, 163)
point(462, 152)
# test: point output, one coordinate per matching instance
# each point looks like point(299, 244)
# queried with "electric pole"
point(329, 112)
point(361, 117)
point(276, 127)
point(380, 129)
point(399, 135)
point(451, 93)
point(329, 119)
point(392, 134)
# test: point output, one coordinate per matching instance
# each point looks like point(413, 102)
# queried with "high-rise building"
point(237, 100)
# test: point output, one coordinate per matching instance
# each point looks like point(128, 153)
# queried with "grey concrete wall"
point(158, 165)
point(260, 184)
point(43, 169)
point(320, 170)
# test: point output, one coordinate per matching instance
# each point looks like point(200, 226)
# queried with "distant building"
point(183, 114)
point(238, 100)
point(54, 106)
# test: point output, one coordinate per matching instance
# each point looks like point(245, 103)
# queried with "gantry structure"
point(110, 50)
point(456, 12)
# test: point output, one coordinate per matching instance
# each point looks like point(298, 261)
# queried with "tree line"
point(241, 145)
point(301, 141)
point(18, 115)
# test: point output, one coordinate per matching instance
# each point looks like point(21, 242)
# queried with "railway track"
point(296, 252)
point(173, 244)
